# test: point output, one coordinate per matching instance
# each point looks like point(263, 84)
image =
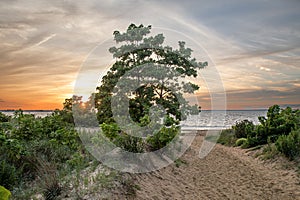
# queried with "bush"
point(25, 139)
point(278, 122)
point(243, 128)
point(240, 141)
point(130, 143)
point(49, 150)
point(251, 142)
point(289, 145)
point(54, 122)
point(25, 126)
point(65, 136)
point(162, 137)
point(111, 131)
point(8, 175)
point(136, 144)
point(121, 139)
point(12, 150)
point(4, 118)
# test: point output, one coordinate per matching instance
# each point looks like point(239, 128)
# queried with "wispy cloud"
point(254, 45)
point(265, 69)
point(45, 40)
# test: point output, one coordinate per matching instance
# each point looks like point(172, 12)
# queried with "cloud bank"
point(253, 44)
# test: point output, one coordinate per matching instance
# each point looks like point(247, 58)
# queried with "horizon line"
point(50, 110)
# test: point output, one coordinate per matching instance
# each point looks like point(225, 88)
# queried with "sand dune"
point(226, 173)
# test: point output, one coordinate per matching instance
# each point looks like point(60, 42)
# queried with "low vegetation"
point(279, 132)
point(43, 158)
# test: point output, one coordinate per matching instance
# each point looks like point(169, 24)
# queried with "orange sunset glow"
point(255, 51)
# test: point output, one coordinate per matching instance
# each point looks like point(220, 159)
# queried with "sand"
point(226, 173)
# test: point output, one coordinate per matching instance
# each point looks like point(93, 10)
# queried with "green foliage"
point(4, 193)
point(278, 122)
point(240, 141)
point(243, 128)
point(26, 139)
point(162, 137)
point(136, 144)
point(58, 120)
point(8, 175)
point(68, 104)
point(227, 137)
point(281, 126)
point(111, 131)
point(289, 145)
point(137, 48)
point(4, 118)
point(5, 128)
point(36, 153)
point(14, 149)
point(77, 161)
point(67, 137)
point(269, 151)
point(251, 142)
point(24, 126)
point(121, 139)
point(130, 143)
point(50, 151)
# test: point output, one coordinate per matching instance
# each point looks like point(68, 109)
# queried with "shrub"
point(240, 141)
point(111, 130)
point(65, 136)
point(8, 175)
point(243, 128)
point(54, 122)
point(162, 137)
point(121, 139)
point(251, 142)
point(25, 126)
point(278, 122)
point(4, 118)
point(130, 143)
point(49, 150)
point(5, 127)
point(12, 150)
point(77, 161)
point(289, 145)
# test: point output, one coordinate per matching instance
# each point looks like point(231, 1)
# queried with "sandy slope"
point(226, 173)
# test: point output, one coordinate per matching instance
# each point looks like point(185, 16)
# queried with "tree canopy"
point(157, 70)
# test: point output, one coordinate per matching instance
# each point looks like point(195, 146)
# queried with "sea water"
point(221, 119)
point(205, 120)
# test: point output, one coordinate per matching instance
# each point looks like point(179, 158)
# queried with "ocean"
point(37, 113)
point(205, 120)
point(221, 119)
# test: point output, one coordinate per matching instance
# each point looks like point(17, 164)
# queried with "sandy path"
point(226, 173)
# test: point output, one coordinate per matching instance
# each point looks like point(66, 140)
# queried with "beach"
point(226, 173)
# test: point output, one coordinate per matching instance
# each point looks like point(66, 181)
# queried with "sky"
point(252, 47)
